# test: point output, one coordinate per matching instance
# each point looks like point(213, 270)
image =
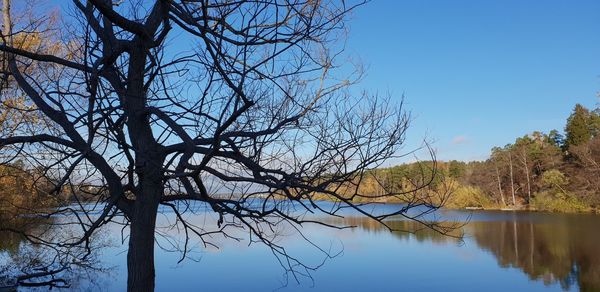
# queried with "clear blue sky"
point(479, 73)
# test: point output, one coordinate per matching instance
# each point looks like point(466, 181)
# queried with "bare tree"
point(237, 104)
point(495, 158)
point(512, 182)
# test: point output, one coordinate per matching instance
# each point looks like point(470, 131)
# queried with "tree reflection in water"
point(548, 247)
point(552, 248)
point(30, 265)
point(566, 251)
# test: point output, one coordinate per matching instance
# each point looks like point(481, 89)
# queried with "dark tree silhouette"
point(237, 104)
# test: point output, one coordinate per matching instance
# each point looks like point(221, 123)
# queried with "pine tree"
point(578, 126)
point(555, 138)
point(594, 122)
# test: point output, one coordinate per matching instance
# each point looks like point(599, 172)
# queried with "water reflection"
point(75, 268)
point(404, 229)
point(553, 248)
point(566, 251)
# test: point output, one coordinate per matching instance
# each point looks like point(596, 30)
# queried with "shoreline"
point(522, 209)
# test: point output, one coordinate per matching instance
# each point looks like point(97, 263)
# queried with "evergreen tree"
point(555, 138)
point(594, 122)
point(456, 169)
point(578, 126)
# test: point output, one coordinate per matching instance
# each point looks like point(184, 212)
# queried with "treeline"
point(542, 171)
point(545, 171)
point(23, 189)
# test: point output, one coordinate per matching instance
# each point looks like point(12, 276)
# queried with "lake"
point(501, 251)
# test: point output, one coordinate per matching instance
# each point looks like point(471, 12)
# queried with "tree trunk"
point(140, 256)
point(500, 186)
point(148, 166)
point(528, 183)
point(7, 24)
point(512, 183)
point(7, 32)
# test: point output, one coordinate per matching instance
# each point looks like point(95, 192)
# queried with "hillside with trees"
point(544, 171)
point(538, 171)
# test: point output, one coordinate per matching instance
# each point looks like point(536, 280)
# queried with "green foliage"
point(468, 196)
point(578, 126)
point(567, 203)
point(556, 139)
point(594, 122)
point(456, 169)
point(554, 179)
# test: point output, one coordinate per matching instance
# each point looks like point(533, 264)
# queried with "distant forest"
point(542, 171)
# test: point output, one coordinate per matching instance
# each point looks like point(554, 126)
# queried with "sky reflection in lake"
point(501, 251)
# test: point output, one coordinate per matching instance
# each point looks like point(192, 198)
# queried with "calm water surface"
point(501, 251)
